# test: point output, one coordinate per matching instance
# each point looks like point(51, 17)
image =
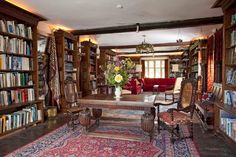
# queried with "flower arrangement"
point(117, 72)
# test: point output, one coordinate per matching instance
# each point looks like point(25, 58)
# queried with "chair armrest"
point(165, 103)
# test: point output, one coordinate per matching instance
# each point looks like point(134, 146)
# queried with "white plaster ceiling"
point(86, 14)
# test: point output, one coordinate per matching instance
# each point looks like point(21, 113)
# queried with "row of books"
point(16, 96)
point(230, 98)
point(68, 66)
point(20, 118)
point(14, 45)
point(230, 76)
point(228, 125)
point(69, 44)
point(68, 57)
point(14, 79)
point(13, 28)
point(8, 62)
point(233, 38)
point(231, 57)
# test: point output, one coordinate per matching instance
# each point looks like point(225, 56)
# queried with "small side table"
point(155, 89)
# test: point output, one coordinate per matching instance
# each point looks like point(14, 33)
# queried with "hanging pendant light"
point(144, 47)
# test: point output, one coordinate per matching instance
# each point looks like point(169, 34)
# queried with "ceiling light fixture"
point(144, 47)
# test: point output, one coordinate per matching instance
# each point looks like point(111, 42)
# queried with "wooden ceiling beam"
point(150, 26)
point(166, 51)
point(155, 45)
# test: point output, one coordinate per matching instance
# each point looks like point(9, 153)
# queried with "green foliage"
point(120, 70)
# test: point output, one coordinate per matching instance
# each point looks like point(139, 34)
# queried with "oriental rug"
point(64, 142)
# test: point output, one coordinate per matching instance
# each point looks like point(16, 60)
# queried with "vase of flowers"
point(117, 74)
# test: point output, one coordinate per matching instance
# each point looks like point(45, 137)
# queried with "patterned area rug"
point(64, 142)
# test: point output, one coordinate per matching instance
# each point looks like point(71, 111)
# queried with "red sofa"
point(134, 86)
point(164, 83)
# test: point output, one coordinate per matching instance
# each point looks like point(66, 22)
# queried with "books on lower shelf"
point(14, 45)
point(16, 96)
point(8, 62)
point(230, 98)
point(20, 118)
point(231, 57)
point(14, 79)
point(228, 124)
point(230, 76)
point(233, 38)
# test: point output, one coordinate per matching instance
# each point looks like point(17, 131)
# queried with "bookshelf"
point(225, 117)
point(177, 66)
point(197, 55)
point(68, 61)
point(88, 68)
point(106, 56)
point(42, 42)
point(19, 104)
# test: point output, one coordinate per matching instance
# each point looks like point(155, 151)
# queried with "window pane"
point(163, 64)
point(158, 63)
point(146, 64)
point(158, 73)
point(163, 72)
point(151, 72)
point(151, 64)
point(146, 72)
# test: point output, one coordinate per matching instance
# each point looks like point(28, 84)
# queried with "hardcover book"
point(230, 98)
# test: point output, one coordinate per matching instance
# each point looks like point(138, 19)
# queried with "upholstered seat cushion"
point(179, 118)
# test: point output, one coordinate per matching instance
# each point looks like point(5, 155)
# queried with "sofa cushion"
point(164, 83)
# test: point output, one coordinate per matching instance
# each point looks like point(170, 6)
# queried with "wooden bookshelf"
point(42, 59)
point(225, 112)
point(197, 56)
point(19, 27)
point(68, 61)
point(88, 68)
point(106, 56)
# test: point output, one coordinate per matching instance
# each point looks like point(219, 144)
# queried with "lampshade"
point(175, 67)
point(138, 68)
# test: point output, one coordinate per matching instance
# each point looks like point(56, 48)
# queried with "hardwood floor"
point(209, 144)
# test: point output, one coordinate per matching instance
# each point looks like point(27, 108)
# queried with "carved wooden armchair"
point(176, 90)
point(71, 97)
point(173, 117)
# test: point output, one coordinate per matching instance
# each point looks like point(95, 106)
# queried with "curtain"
point(210, 63)
point(52, 74)
point(218, 55)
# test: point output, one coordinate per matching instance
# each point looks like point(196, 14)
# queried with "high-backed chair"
point(173, 117)
point(176, 90)
point(71, 97)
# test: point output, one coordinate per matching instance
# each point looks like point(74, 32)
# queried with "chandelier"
point(144, 47)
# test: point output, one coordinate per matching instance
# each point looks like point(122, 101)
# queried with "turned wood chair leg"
point(191, 130)
point(158, 118)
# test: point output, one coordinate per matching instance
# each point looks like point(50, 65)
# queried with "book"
point(11, 27)
point(231, 76)
point(230, 98)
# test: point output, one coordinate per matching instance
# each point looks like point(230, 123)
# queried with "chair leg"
point(158, 117)
point(177, 128)
point(165, 96)
point(191, 130)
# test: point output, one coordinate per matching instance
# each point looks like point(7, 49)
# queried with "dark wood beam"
point(155, 45)
point(167, 51)
point(154, 25)
point(224, 4)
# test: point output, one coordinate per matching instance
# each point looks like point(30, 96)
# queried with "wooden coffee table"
point(128, 102)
